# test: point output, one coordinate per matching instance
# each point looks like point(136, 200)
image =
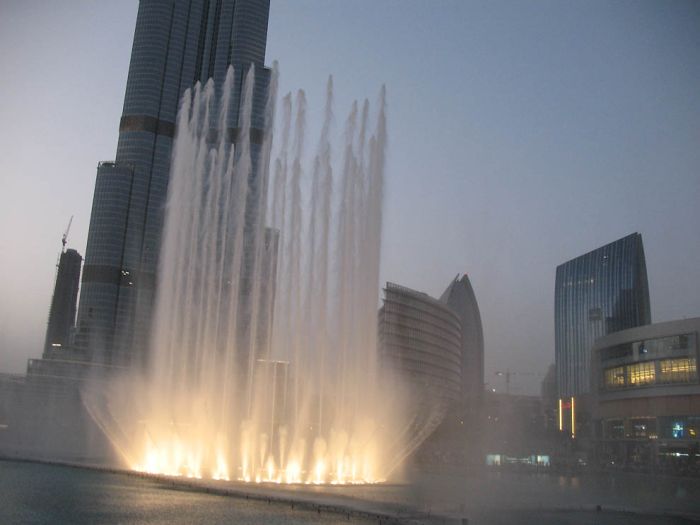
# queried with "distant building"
point(549, 395)
point(459, 296)
point(598, 293)
point(268, 290)
point(421, 337)
point(420, 340)
point(272, 388)
point(646, 394)
point(177, 43)
point(513, 425)
point(63, 304)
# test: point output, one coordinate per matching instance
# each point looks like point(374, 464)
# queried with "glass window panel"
point(682, 370)
point(615, 377)
point(641, 374)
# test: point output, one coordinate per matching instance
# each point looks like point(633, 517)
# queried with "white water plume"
point(263, 362)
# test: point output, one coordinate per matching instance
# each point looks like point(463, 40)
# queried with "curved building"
point(598, 293)
point(647, 393)
point(421, 338)
point(459, 296)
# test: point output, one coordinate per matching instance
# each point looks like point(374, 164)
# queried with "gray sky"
point(522, 134)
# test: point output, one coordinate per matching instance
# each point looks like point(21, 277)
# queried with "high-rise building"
point(420, 338)
point(459, 296)
point(63, 304)
point(420, 341)
point(598, 293)
point(177, 43)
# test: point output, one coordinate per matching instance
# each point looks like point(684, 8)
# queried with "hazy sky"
point(522, 134)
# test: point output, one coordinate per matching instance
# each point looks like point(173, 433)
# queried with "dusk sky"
point(521, 135)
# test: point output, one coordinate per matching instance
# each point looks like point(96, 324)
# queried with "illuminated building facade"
point(598, 293)
point(646, 393)
point(177, 43)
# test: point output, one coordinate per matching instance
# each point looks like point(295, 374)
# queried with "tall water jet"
point(263, 361)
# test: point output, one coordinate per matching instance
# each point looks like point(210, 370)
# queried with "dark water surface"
point(39, 493)
point(43, 493)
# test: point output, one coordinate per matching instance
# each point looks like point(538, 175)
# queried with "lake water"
point(43, 493)
point(39, 493)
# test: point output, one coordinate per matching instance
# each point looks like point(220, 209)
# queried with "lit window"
point(615, 377)
point(641, 374)
point(677, 430)
point(681, 370)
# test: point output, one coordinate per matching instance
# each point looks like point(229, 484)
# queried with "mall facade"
point(646, 397)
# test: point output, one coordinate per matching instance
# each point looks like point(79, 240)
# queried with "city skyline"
point(497, 174)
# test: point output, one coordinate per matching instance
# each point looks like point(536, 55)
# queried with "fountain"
point(264, 354)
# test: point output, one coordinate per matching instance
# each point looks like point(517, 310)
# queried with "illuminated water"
point(237, 389)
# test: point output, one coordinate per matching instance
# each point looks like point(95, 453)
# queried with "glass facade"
point(641, 374)
point(662, 360)
point(646, 397)
point(598, 293)
point(176, 44)
point(420, 337)
point(682, 370)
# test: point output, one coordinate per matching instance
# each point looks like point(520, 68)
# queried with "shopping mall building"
point(646, 397)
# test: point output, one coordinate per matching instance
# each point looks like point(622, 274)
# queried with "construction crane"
point(64, 240)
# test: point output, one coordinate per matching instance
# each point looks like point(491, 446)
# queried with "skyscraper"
point(177, 43)
point(459, 296)
point(420, 342)
point(420, 338)
point(598, 293)
point(63, 303)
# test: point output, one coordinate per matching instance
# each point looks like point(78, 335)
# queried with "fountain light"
point(320, 472)
point(293, 472)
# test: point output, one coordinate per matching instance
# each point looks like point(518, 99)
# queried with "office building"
point(421, 337)
point(177, 43)
point(63, 303)
point(459, 296)
point(420, 343)
point(646, 393)
point(598, 293)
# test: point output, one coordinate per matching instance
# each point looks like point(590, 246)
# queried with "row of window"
point(664, 427)
point(679, 370)
point(442, 319)
point(436, 334)
point(660, 346)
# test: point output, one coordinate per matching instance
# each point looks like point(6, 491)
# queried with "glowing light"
point(561, 418)
point(320, 472)
point(270, 469)
point(221, 472)
point(339, 478)
point(573, 418)
point(293, 472)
